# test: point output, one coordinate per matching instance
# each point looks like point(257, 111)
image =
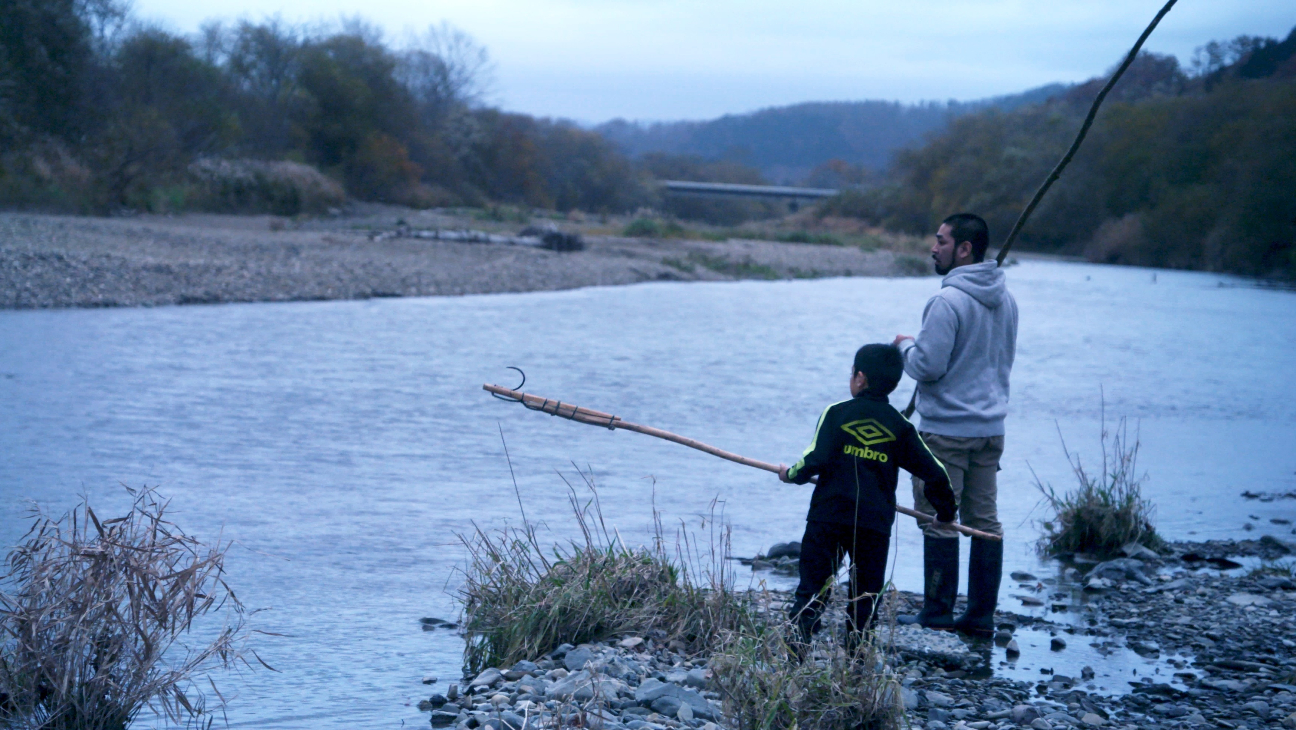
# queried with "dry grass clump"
point(93, 615)
point(834, 688)
point(1105, 511)
point(257, 186)
point(521, 601)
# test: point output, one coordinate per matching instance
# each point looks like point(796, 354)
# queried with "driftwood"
point(592, 417)
point(549, 239)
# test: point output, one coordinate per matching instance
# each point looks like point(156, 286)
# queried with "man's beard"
point(941, 270)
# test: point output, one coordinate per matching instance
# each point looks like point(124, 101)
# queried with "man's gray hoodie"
point(964, 353)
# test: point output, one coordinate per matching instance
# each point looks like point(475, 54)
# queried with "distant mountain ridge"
point(786, 142)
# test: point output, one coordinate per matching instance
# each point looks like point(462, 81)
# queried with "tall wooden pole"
point(598, 418)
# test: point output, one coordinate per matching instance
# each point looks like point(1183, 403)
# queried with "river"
point(343, 446)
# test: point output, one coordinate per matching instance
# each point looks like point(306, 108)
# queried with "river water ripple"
point(343, 445)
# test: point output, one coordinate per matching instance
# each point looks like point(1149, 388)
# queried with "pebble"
point(939, 699)
point(487, 678)
point(1219, 663)
point(1057, 643)
point(577, 658)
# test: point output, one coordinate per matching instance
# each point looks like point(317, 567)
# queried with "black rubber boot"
point(940, 579)
point(985, 568)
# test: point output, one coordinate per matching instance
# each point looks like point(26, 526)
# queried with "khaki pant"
point(972, 464)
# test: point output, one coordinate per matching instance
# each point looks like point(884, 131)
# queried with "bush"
point(520, 602)
point(43, 175)
point(92, 613)
point(254, 186)
point(1104, 512)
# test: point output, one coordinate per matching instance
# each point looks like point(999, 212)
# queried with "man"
point(961, 360)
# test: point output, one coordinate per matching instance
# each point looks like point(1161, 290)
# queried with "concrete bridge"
point(793, 195)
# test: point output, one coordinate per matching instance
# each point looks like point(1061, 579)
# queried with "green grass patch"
point(653, 228)
point(744, 269)
point(823, 239)
point(1105, 511)
point(1280, 568)
point(675, 263)
point(502, 214)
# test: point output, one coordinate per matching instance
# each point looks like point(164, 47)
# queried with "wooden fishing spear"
point(597, 418)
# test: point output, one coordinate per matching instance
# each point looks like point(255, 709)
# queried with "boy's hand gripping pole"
point(607, 420)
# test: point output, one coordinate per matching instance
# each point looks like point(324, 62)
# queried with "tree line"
point(100, 113)
point(1184, 168)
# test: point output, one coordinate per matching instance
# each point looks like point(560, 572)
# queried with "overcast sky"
point(593, 60)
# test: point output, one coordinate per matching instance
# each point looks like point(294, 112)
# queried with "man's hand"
point(936, 523)
point(783, 477)
point(899, 339)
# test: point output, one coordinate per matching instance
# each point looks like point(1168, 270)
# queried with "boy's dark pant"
point(821, 553)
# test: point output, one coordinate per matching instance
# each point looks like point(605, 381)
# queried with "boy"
point(857, 449)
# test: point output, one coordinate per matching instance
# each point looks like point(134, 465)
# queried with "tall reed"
point(770, 681)
point(1105, 511)
point(94, 616)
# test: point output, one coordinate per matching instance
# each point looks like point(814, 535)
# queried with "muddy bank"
point(56, 261)
point(1212, 642)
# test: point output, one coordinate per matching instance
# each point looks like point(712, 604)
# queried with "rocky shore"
point(1211, 638)
point(64, 261)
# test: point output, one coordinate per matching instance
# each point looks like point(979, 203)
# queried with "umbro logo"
point(869, 432)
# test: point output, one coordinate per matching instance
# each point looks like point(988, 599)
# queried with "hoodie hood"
point(984, 282)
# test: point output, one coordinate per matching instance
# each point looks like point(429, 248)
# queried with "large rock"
point(784, 550)
point(1248, 599)
point(580, 686)
point(577, 658)
point(939, 699)
point(697, 678)
point(1025, 714)
point(667, 706)
point(1226, 685)
point(487, 678)
point(653, 689)
point(1139, 552)
point(938, 646)
point(1121, 569)
point(441, 718)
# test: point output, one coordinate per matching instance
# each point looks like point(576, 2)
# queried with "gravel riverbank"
point(1213, 644)
point(63, 261)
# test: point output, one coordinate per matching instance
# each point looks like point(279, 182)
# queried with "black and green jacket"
point(858, 448)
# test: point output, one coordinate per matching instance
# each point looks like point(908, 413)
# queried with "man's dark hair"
point(970, 228)
point(882, 365)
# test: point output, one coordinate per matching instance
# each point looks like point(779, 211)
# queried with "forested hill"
point(785, 143)
point(1185, 168)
